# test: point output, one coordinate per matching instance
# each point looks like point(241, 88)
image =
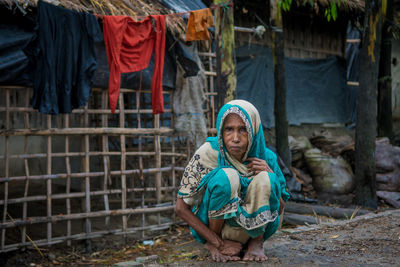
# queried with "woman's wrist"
point(218, 243)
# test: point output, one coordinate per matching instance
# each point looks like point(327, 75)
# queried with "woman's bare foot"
point(230, 248)
point(255, 250)
point(217, 256)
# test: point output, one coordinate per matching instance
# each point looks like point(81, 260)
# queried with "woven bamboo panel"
point(90, 173)
point(313, 37)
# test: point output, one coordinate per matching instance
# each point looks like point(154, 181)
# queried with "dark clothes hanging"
point(17, 32)
point(181, 53)
point(65, 59)
point(14, 63)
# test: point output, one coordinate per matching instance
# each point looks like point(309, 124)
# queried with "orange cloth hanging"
point(198, 24)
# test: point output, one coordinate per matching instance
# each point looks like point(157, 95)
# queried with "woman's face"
point(235, 136)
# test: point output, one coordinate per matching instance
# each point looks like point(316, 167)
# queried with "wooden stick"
point(123, 160)
point(149, 199)
point(68, 183)
point(141, 159)
point(210, 73)
point(207, 54)
point(26, 165)
point(82, 194)
point(353, 83)
point(173, 162)
point(353, 40)
point(85, 215)
point(157, 150)
point(86, 166)
point(174, 185)
point(49, 225)
point(91, 174)
point(108, 111)
point(207, 90)
point(95, 89)
point(95, 153)
point(212, 91)
point(86, 131)
point(6, 168)
point(82, 111)
point(106, 159)
point(127, 90)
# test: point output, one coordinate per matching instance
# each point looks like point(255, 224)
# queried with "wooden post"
point(225, 46)
point(281, 123)
point(385, 121)
point(365, 174)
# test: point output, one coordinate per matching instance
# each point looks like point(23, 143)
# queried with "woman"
point(232, 188)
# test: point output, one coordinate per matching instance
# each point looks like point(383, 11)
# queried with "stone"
point(128, 264)
point(387, 159)
point(147, 259)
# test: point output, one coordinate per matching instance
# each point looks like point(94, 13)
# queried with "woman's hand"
point(258, 165)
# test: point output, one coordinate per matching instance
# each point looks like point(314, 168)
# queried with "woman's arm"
point(184, 212)
point(227, 247)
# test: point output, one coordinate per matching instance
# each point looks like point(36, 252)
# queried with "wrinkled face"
point(235, 136)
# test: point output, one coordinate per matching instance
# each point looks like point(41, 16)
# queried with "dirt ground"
point(368, 240)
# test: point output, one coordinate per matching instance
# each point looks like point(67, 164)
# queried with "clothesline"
point(227, 5)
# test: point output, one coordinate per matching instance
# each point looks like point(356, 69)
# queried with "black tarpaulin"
point(316, 89)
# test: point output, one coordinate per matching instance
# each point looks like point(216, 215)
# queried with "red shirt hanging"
point(129, 46)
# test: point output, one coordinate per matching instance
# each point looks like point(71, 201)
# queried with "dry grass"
point(132, 8)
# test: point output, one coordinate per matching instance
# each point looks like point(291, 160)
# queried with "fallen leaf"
point(334, 236)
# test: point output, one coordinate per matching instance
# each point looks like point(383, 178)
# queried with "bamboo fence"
point(90, 173)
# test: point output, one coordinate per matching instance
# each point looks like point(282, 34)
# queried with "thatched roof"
point(346, 6)
point(131, 8)
point(348, 9)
